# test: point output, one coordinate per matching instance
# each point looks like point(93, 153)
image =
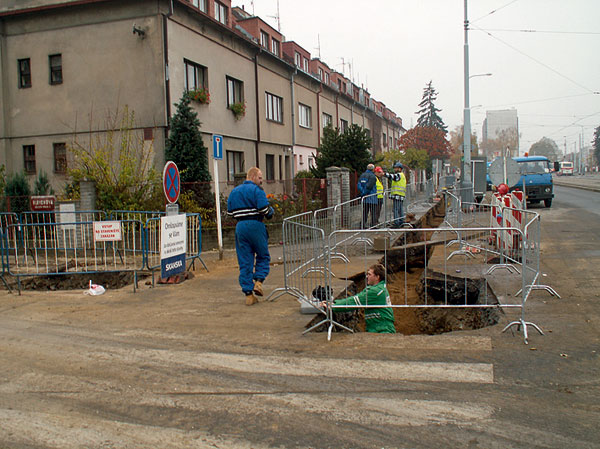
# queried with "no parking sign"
point(171, 182)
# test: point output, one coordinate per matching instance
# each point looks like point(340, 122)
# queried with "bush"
point(18, 190)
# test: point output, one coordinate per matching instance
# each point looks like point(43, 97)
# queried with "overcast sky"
point(549, 74)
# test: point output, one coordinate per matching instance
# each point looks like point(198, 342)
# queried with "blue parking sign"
point(217, 147)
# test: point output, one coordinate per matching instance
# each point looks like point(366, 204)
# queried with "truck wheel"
point(548, 202)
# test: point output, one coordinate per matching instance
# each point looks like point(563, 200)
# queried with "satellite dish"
point(504, 170)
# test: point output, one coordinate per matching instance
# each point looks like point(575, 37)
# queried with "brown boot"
point(258, 289)
point(251, 299)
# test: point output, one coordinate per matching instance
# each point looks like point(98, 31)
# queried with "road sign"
point(171, 182)
point(217, 147)
point(173, 244)
point(504, 170)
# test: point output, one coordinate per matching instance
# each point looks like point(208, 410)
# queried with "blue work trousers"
point(398, 213)
point(252, 247)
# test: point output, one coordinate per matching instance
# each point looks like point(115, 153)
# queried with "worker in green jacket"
point(377, 319)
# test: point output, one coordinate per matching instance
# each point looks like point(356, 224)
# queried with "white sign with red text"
point(107, 231)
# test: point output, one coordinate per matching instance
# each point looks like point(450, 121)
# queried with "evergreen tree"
point(42, 185)
point(596, 143)
point(185, 146)
point(350, 150)
point(428, 114)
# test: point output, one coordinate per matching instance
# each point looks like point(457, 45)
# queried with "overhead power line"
point(539, 62)
point(494, 11)
point(545, 31)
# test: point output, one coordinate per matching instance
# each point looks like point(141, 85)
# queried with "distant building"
point(500, 129)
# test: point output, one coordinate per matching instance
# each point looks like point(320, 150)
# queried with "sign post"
point(173, 232)
point(218, 156)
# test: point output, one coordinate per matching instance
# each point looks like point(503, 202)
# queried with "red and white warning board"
point(107, 231)
point(507, 213)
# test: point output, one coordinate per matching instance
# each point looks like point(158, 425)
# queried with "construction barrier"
point(321, 256)
point(47, 243)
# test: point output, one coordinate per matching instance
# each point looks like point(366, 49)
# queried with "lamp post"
point(466, 164)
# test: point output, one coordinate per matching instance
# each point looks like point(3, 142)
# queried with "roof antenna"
point(278, 17)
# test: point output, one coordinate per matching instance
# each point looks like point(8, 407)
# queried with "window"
point(200, 4)
point(327, 78)
point(343, 125)
point(384, 140)
point(235, 91)
point(391, 143)
point(60, 158)
point(304, 113)
point(320, 73)
point(270, 167)
point(235, 164)
point(274, 107)
point(327, 120)
point(306, 65)
point(55, 62)
point(24, 73)
point(29, 158)
point(311, 162)
point(221, 12)
point(195, 75)
point(298, 59)
point(264, 40)
point(275, 47)
point(280, 167)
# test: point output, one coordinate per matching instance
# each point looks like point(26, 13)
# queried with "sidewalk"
point(586, 182)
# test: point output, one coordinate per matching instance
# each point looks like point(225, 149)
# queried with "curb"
point(578, 186)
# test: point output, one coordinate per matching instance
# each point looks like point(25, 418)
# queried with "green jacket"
point(379, 319)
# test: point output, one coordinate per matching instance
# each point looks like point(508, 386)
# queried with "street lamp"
point(466, 164)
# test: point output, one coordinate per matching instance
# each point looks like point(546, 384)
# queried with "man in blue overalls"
point(248, 204)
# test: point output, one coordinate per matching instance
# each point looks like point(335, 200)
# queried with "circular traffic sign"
point(171, 182)
point(504, 170)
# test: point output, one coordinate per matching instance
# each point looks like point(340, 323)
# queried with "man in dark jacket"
point(367, 190)
point(248, 204)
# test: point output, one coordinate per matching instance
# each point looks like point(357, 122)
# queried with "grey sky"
point(397, 46)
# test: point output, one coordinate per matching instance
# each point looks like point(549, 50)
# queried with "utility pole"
point(465, 170)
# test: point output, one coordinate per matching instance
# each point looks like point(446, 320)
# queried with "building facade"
point(66, 67)
point(500, 130)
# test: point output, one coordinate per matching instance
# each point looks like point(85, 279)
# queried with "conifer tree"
point(596, 144)
point(428, 114)
point(185, 146)
point(350, 150)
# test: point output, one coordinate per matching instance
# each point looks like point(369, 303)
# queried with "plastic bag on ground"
point(94, 289)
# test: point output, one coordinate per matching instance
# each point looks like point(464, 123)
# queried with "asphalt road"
point(191, 366)
point(569, 197)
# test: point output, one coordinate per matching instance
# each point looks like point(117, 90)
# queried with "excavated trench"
point(409, 283)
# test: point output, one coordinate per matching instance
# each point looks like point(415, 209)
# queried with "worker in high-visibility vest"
point(397, 193)
point(379, 185)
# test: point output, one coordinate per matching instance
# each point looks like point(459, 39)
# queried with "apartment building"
point(65, 65)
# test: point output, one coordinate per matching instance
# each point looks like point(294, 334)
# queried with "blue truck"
point(536, 175)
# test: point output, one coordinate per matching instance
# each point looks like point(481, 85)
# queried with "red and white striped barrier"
point(507, 240)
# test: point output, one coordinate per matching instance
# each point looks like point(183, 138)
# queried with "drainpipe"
point(167, 81)
point(257, 142)
point(337, 112)
point(319, 114)
point(293, 120)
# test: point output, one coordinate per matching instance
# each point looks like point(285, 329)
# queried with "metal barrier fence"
point(325, 249)
point(446, 281)
point(70, 248)
point(304, 257)
point(47, 243)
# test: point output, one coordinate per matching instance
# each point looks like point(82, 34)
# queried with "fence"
point(326, 249)
point(48, 243)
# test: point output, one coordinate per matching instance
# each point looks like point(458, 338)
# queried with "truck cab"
point(536, 178)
